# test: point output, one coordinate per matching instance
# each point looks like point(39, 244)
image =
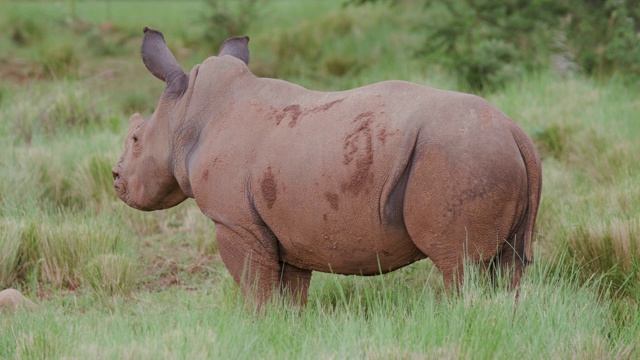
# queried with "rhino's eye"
point(135, 138)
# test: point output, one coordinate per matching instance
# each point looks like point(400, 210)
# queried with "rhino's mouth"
point(120, 187)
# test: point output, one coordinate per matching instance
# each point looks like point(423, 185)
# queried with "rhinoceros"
point(363, 181)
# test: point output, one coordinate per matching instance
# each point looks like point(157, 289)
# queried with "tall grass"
point(554, 317)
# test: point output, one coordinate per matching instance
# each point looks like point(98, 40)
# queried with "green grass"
point(360, 318)
point(113, 282)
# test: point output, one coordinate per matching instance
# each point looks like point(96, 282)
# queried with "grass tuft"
point(9, 250)
point(54, 246)
point(610, 248)
point(93, 182)
point(50, 109)
point(109, 275)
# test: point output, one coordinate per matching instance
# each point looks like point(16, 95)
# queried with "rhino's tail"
point(534, 180)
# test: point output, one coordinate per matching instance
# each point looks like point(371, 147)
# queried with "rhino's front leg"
point(294, 283)
point(251, 256)
point(251, 259)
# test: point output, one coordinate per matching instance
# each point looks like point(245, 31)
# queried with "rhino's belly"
point(351, 252)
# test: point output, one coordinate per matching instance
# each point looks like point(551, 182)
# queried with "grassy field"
point(112, 282)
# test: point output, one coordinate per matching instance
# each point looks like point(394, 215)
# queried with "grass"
point(112, 282)
point(553, 318)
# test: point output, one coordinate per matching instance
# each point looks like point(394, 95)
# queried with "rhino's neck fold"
point(184, 131)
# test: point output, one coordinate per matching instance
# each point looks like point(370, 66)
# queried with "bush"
point(227, 19)
point(604, 35)
point(25, 32)
point(488, 43)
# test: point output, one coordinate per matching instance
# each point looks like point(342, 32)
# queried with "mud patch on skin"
point(296, 112)
point(486, 117)
point(359, 138)
point(292, 112)
point(265, 112)
point(332, 198)
point(382, 135)
point(269, 188)
point(326, 106)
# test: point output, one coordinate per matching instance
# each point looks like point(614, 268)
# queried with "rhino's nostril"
point(114, 173)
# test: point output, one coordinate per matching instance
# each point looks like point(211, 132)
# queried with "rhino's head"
point(145, 176)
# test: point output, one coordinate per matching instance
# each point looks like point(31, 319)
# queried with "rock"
point(12, 300)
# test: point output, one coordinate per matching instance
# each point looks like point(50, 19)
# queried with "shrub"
point(25, 31)
point(227, 19)
point(604, 35)
point(487, 43)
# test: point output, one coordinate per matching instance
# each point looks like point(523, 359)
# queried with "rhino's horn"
point(237, 47)
point(161, 63)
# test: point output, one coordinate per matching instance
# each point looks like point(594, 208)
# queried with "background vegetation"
point(112, 282)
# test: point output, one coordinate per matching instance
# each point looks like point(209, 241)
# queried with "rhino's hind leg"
point(457, 212)
point(510, 262)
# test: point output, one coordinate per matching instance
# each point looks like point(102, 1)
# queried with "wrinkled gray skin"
point(362, 181)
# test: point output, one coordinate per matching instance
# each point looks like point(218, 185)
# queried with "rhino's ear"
point(237, 47)
point(162, 64)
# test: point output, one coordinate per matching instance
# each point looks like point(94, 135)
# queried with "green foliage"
point(604, 35)
point(553, 140)
point(488, 43)
point(25, 32)
point(226, 19)
point(331, 49)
